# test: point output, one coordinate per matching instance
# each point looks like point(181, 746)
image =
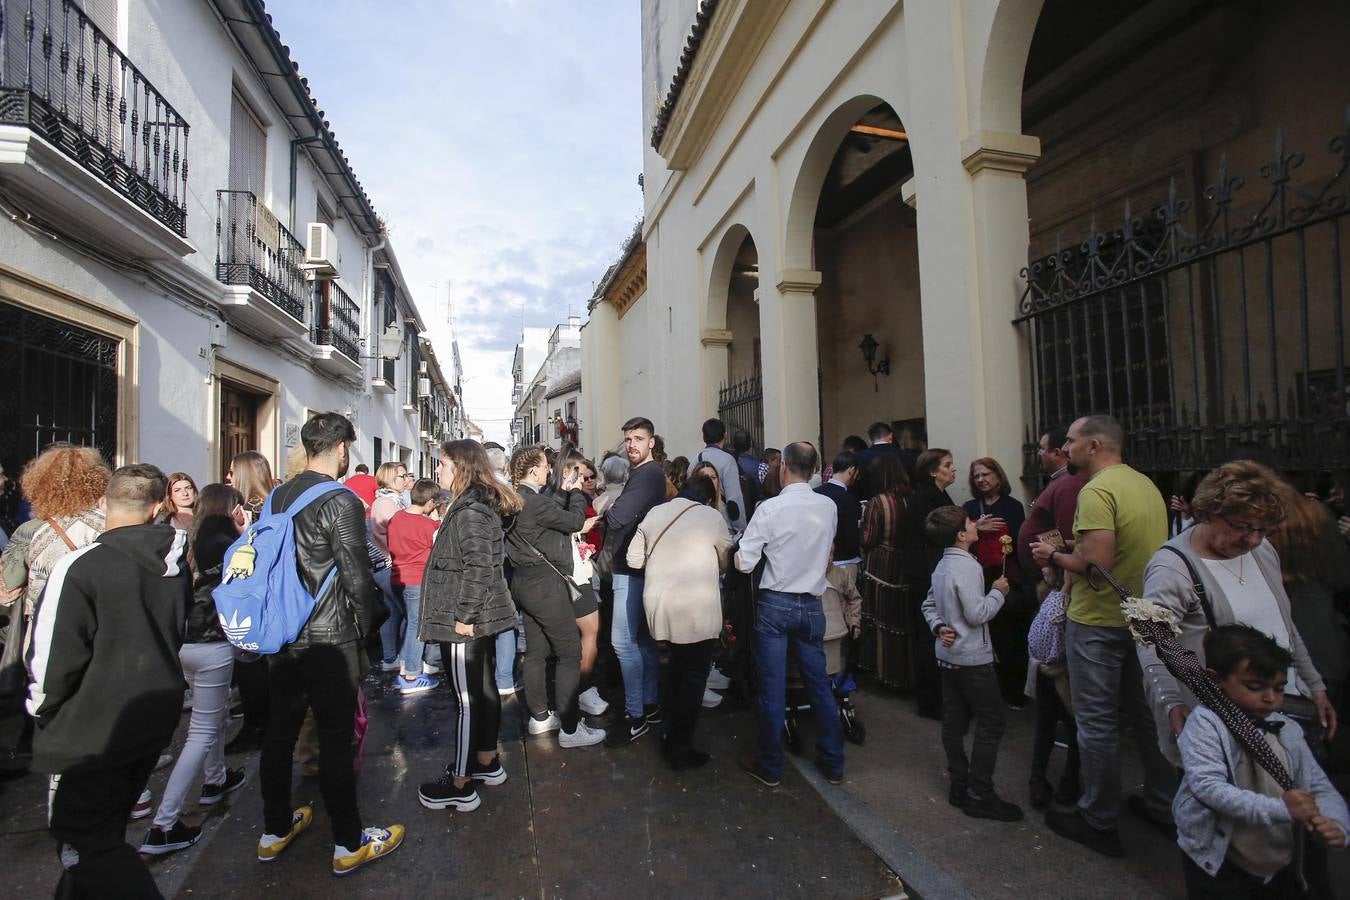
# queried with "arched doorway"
point(866, 249)
point(740, 397)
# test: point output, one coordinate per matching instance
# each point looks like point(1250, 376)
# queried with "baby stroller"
point(842, 605)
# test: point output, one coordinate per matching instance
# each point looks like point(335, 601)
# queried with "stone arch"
point(798, 243)
point(719, 275)
point(1012, 26)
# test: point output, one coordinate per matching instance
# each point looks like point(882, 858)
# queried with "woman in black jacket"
point(208, 662)
point(538, 543)
point(465, 605)
point(934, 472)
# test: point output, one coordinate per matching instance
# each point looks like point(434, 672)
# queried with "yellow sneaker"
point(300, 820)
point(375, 844)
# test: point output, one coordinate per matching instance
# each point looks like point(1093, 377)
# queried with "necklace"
point(1242, 562)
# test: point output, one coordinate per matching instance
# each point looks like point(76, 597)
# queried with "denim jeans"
point(795, 621)
point(207, 668)
point(1104, 675)
point(410, 596)
point(633, 645)
point(391, 632)
point(506, 659)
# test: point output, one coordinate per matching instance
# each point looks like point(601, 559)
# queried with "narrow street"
point(616, 822)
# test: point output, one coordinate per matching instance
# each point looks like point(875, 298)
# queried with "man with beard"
point(638, 660)
point(321, 668)
point(1055, 507)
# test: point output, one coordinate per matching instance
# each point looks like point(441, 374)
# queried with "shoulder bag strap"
point(545, 559)
point(56, 526)
point(1197, 585)
point(652, 548)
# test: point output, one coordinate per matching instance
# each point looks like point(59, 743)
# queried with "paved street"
point(603, 822)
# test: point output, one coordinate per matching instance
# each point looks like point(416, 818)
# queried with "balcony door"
point(248, 149)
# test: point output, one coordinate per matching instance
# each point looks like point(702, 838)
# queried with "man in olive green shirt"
point(1120, 522)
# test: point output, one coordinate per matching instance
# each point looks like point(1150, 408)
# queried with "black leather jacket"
point(332, 532)
point(463, 581)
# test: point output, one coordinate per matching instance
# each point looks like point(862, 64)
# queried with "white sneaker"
point(711, 699)
point(552, 723)
point(591, 703)
point(717, 681)
point(584, 736)
point(431, 669)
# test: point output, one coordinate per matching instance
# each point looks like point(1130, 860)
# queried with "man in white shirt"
point(793, 533)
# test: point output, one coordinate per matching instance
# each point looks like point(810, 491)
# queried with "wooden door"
point(238, 424)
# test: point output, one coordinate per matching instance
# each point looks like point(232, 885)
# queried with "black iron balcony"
point(336, 320)
point(62, 78)
point(254, 249)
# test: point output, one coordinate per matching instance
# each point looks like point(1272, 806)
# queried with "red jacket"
point(410, 539)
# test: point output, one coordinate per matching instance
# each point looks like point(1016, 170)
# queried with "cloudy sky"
point(502, 142)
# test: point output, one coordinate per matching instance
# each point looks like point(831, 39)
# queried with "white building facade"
point(188, 266)
point(547, 397)
point(1029, 210)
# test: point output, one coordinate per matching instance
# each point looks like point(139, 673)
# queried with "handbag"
point(582, 569)
point(573, 592)
point(1045, 637)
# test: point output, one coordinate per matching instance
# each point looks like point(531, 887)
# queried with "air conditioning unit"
point(424, 387)
point(321, 250)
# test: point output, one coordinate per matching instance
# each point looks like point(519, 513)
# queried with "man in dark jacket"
point(321, 668)
point(107, 687)
point(634, 647)
point(883, 442)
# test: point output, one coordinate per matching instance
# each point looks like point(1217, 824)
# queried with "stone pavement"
point(615, 822)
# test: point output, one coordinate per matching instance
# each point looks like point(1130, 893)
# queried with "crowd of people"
point(769, 569)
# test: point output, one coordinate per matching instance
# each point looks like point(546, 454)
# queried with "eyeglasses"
point(1243, 529)
point(587, 477)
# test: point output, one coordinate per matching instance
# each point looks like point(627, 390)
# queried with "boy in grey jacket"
point(1236, 825)
point(958, 611)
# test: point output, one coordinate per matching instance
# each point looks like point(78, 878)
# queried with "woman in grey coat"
point(1227, 556)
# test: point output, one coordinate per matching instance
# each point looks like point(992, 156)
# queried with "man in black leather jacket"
point(322, 667)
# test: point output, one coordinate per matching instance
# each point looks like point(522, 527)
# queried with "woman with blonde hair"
point(1227, 554)
point(465, 605)
point(251, 475)
point(181, 501)
point(391, 478)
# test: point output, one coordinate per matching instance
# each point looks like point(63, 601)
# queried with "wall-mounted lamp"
point(869, 348)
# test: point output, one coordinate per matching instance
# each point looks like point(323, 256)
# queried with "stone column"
point(790, 358)
point(601, 363)
point(716, 343)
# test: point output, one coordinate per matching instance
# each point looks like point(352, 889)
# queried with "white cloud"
point(501, 141)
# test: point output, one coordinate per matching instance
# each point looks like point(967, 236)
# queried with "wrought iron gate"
point(1206, 325)
point(60, 384)
point(740, 405)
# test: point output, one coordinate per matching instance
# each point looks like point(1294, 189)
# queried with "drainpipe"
point(295, 152)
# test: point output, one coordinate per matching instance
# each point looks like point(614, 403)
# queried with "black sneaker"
point(442, 794)
point(1072, 826)
point(956, 793)
point(627, 731)
point(214, 793)
point(751, 767)
point(653, 714)
point(159, 842)
point(492, 773)
point(687, 758)
point(830, 775)
point(991, 806)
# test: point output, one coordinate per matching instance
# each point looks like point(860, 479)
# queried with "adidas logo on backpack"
point(262, 601)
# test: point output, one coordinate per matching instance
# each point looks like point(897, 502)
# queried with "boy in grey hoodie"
point(1237, 826)
point(958, 611)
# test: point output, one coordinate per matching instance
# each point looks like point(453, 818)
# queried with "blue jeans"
point(411, 648)
point(633, 645)
point(391, 632)
point(506, 659)
point(796, 621)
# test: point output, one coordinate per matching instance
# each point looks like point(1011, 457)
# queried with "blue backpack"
point(261, 600)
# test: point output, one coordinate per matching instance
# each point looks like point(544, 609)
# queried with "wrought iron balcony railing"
point(64, 79)
point(253, 248)
point(336, 320)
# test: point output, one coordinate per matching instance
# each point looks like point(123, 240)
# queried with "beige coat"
point(681, 588)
